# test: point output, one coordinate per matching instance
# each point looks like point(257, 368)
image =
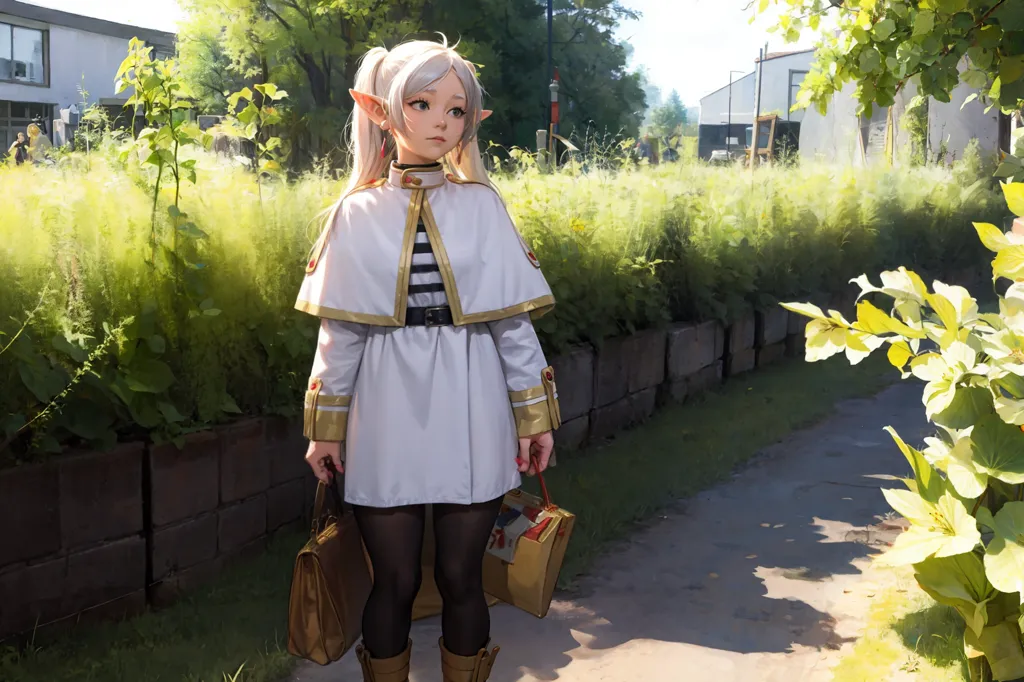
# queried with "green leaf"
point(229, 405)
point(73, 351)
point(1004, 556)
point(929, 484)
point(874, 321)
point(191, 230)
point(170, 412)
point(42, 381)
point(86, 419)
point(970, 403)
point(11, 423)
point(870, 60)
point(149, 376)
point(884, 29)
point(157, 344)
point(958, 581)
point(924, 24)
point(1011, 69)
point(805, 309)
point(999, 449)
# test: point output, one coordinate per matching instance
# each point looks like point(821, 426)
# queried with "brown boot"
point(467, 668)
point(394, 669)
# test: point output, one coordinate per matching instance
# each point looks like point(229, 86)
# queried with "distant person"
point(19, 150)
point(39, 144)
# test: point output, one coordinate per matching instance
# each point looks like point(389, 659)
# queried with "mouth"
point(438, 139)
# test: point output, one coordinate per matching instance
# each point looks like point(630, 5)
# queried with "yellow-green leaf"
point(1009, 263)
point(874, 321)
point(899, 354)
point(1014, 196)
point(805, 309)
point(991, 236)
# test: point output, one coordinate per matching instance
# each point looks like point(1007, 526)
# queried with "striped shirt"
point(426, 288)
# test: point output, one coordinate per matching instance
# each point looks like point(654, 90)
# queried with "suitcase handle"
point(543, 486)
point(318, 504)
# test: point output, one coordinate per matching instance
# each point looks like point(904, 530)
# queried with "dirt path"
point(764, 578)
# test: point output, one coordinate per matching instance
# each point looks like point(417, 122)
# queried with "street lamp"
point(728, 132)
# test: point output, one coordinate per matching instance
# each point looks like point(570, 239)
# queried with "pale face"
point(434, 121)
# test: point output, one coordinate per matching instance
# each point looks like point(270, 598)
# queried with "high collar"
point(420, 177)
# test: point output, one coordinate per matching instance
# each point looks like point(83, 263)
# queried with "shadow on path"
point(746, 581)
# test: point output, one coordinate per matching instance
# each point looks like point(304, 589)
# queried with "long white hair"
point(395, 76)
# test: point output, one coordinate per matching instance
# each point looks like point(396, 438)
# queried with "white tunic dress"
point(430, 414)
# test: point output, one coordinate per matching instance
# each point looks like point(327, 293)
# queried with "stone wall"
point(102, 535)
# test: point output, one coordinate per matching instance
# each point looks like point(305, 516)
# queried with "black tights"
point(394, 541)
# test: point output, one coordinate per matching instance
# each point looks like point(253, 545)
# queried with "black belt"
point(436, 316)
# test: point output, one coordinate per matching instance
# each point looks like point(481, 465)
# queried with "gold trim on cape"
point(329, 400)
point(405, 259)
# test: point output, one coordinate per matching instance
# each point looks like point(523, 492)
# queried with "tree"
point(669, 117)
point(312, 47)
point(881, 45)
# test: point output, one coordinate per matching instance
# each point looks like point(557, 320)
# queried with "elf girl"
point(428, 372)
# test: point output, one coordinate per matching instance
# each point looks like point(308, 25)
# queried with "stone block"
point(244, 461)
point(572, 435)
point(100, 495)
point(184, 483)
point(642, 405)
point(31, 595)
point(286, 448)
point(112, 570)
point(772, 326)
point(771, 354)
point(704, 380)
point(796, 345)
point(240, 555)
point(611, 372)
point(740, 362)
point(29, 512)
point(180, 583)
point(608, 420)
point(710, 343)
point(574, 377)
point(675, 391)
point(241, 523)
point(183, 545)
point(645, 356)
point(682, 357)
point(284, 504)
point(742, 333)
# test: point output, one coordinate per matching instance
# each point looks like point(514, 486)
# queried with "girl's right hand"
point(318, 454)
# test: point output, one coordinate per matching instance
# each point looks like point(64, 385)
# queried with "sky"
point(686, 45)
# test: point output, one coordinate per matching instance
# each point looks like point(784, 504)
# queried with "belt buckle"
point(430, 316)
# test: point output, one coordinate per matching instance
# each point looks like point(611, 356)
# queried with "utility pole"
point(757, 107)
point(728, 131)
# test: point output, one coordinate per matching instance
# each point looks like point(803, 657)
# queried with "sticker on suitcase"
point(514, 522)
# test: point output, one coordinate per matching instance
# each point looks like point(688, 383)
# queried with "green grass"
point(907, 634)
point(682, 450)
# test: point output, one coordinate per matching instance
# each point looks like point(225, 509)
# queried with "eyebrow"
point(434, 92)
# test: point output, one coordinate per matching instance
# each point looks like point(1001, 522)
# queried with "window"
point(796, 79)
point(15, 117)
point(22, 54)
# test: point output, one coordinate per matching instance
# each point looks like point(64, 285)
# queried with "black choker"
point(407, 166)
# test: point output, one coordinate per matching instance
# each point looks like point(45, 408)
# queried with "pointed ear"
point(485, 114)
point(372, 105)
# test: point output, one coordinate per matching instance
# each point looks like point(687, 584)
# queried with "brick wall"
point(101, 535)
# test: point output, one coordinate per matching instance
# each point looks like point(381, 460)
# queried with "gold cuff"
point(539, 417)
point(324, 425)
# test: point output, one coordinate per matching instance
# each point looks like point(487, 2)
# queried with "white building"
point(47, 55)
point(781, 77)
point(844, 137)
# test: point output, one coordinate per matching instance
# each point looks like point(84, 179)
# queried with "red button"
point(312, 263)
point(312, 386)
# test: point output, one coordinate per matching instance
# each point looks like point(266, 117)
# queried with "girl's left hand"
point(539, 446)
